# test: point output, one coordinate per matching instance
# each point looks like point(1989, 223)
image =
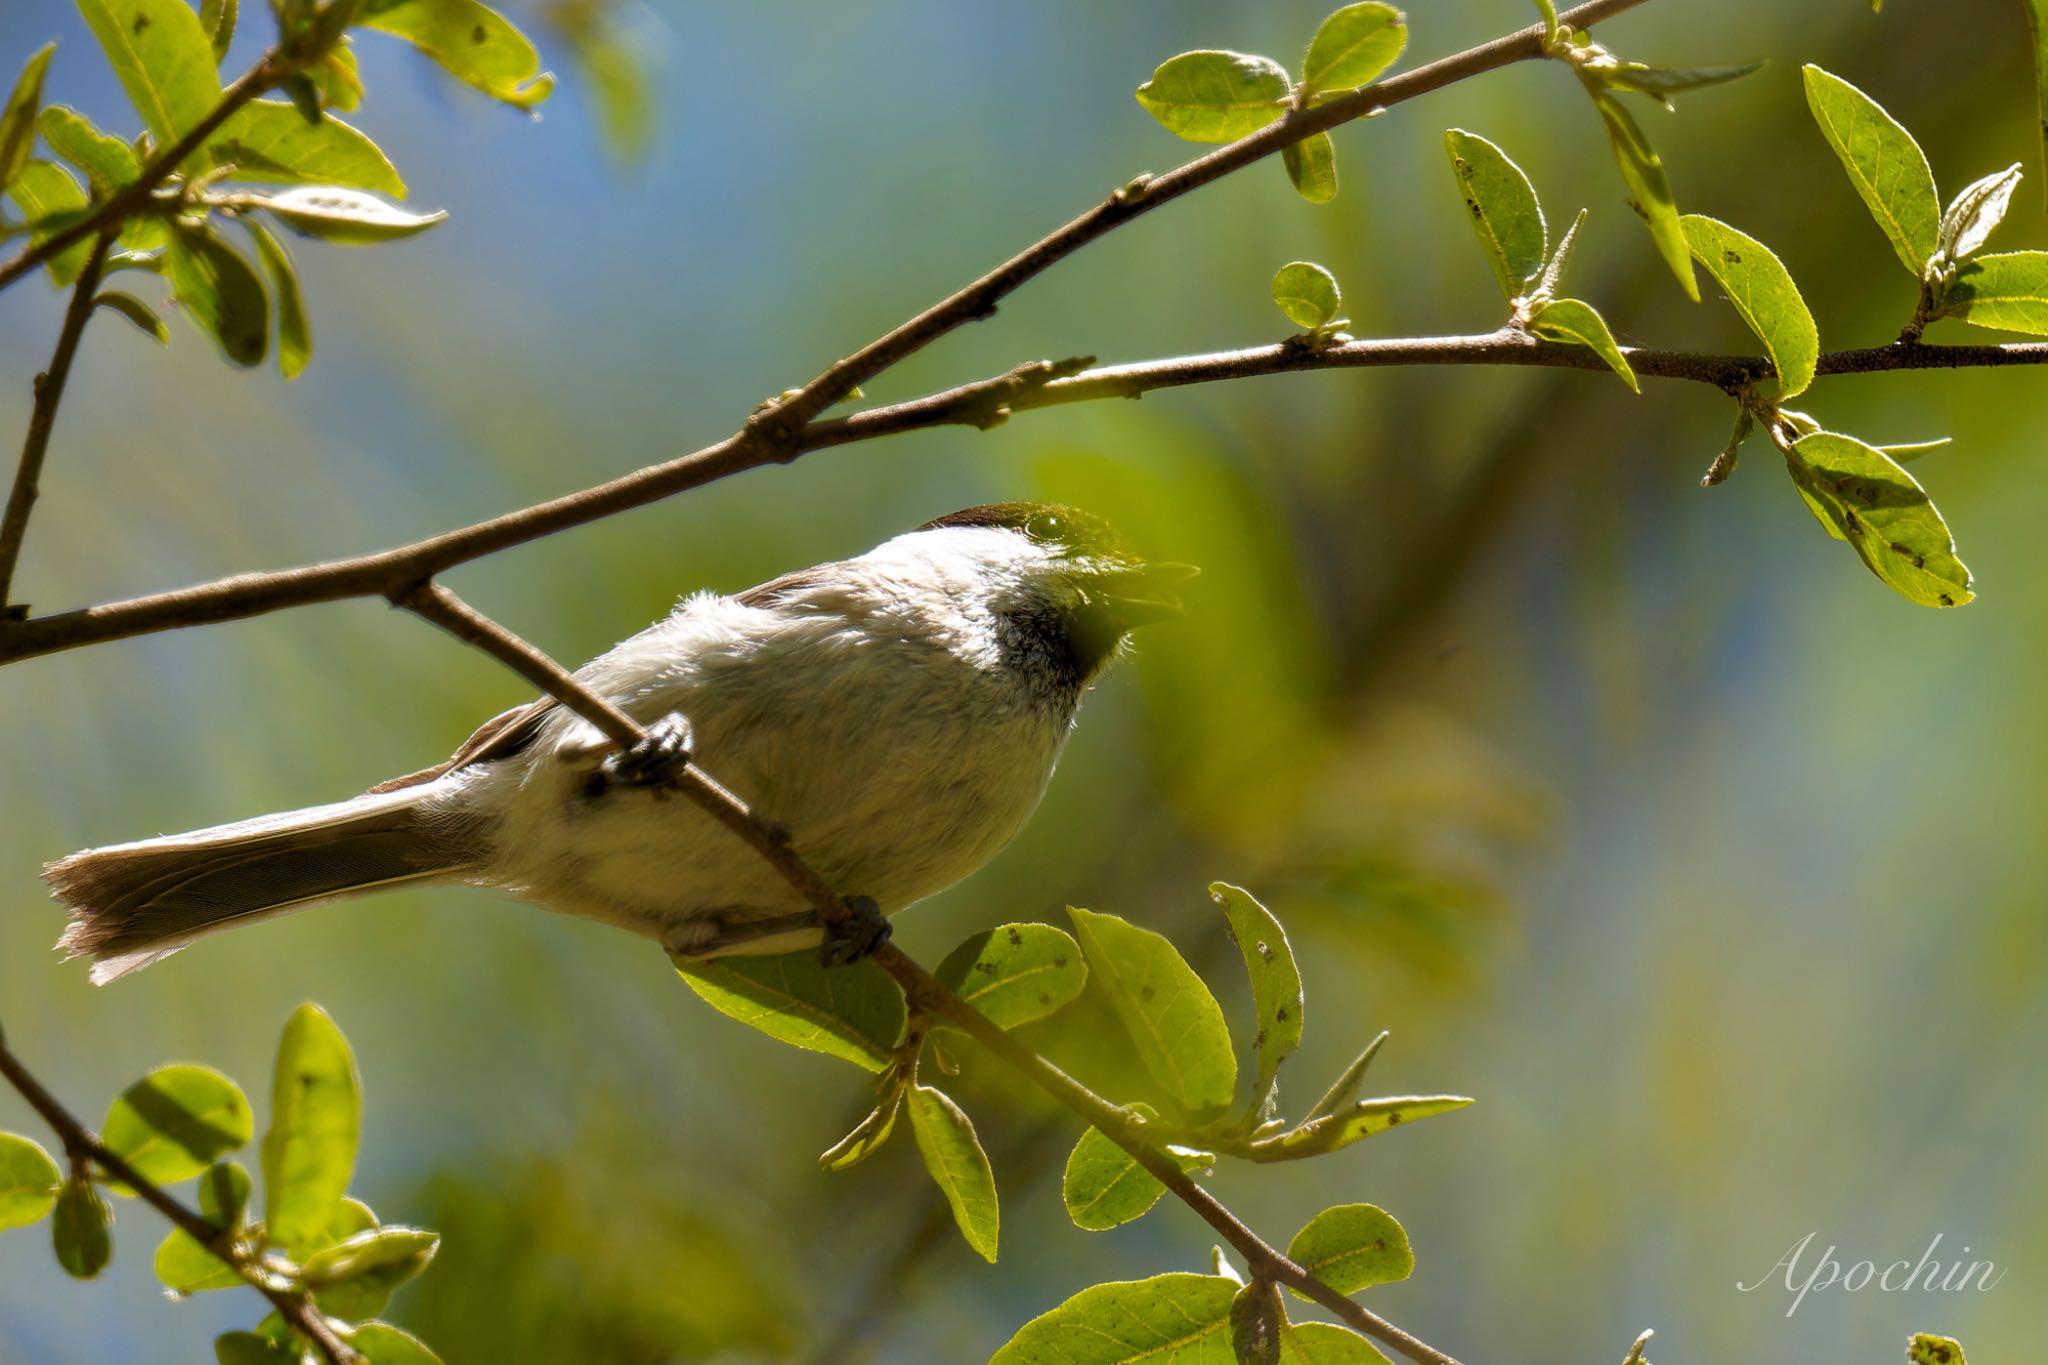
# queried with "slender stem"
point(42, 418)
point(297, 1308)
point(106, 219)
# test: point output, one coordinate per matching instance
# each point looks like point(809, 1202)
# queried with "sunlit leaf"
point(1577, 322)
point(1882, 512)
point(869, 1134)
point(82, 1229)
point(338, 80)
point(383, 1344)
point(294, 329)
point(1275, 978)
point(1352, 47)
point(1016, 973)
point(1650, 192)
point(217, 18)
point(108, 162)
point(185, 1266)
point(958, 1165)
point(2007, 290)
point(1362, 1120)
point(1504, 211)
point(855, 1013)
point(28, 1181)
point(355, 1278)
point(51, 199)
point(1561, 258)
point(268, 141)
point(1343, 1092)
point(160, 52)
point(1105, 1187)
point(220, 292)
point(1325, 1343)
point(1925, 1348)
point(1353, 1247)
point(1307, 294)
point(1972, 215)
point(1762, 291)
point(316, 1121)
point(1884, 163)
point(1311, 165)
point(173, 1123)
point(18, 115)
point(472, 42)
point(348, 217)
point(1908, 451)
point(1216, 96)
point(1173, 1020)
point(1166, 1320)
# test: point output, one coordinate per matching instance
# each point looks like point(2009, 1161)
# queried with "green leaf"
point(1762, 291)
point(347, 217)
point(1166, 1320)
point(1325, 1343)
point(1548, 9)
point(217, 18)
point(161, 55)
point(28, 1181)
point(855, 1013)
point(1925, 1348)
point(136, 311)
point(1724, 463)
point(220, 292)
point(1173, 1020)
point(1343, 1091)
point(1361, 1121)
point(958, 1165)
point(1307, 293)
point(294, 329)
point(1660, 83)
point(18, 115)
point(870, 1133)
point(1561, 259)
point(1972, 215)
point(383, 1344)
point(173, 1123)
point(2007, 290)
point(1908, 451)
point(1649, 190)
point(472, 42)
point(268, 141)
point(253, 1348)
point(1311, 165)
point(1256, 1319)
point(1353, 1247)
point(1276, 982)
point(1216, 96)
point(355, 1278)
point(1884, 163)
point(108, 162)
point(52, 200)
point(337, 79)
point(1105, 1187)
point(82, 1229)
point(1504, 211)
point(1352, 47)
point(186, 1267)
point(616, 73)
point(316, 1121)
point(1882, 511)
point(1016, 973)
point(1578, 323)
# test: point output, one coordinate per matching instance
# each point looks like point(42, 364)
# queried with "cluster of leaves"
point(1020, 973)
point(324, 176)
point(179, 1123)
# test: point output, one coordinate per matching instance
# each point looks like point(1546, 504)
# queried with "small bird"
point(898, 715)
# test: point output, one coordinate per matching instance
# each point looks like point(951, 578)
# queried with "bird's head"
point(1061, 588)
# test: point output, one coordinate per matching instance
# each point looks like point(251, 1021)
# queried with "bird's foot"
point(857, 937)
point(655, 761)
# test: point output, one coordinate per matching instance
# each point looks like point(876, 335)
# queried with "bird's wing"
point(777, 591)
point(502, 736)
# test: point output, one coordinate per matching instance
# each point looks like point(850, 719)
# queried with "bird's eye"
point(1045, 527)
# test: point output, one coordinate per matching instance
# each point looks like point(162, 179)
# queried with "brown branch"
point(42, 418)
point(134, 197)
point(81, 1143)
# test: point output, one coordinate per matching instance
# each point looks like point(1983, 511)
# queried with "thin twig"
point(393, 571)
point(298, 1309)
point(269, 70)
point(42, 418)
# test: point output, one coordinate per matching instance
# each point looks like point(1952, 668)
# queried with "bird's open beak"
point(1140, 594)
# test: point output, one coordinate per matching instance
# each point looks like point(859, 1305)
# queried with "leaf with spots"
point(1865, 498)
point(1762, 291)
point(1352, 1247)
point(1925, 1348)
point(1176, 1319)
point(472, 42)
point(1884, 163)
point(1105, 1187)
point(163, 58)
point(1016, 973)
point(173, 1123)
point(1362, 1120)
point(18, 115)
point(1642, 170)
point(28, 1181)
point(316, 1122)
point(1311, 165)
point(1503, 209)
point(2008, 291)
point(1173, 1020)
point(1276, 985)
point(1257, 1317)
point(958, 1166)
point(854, 1013)
point(220, 292)
point(1352, 47)
point(1216, 96)
point(1578, 323)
